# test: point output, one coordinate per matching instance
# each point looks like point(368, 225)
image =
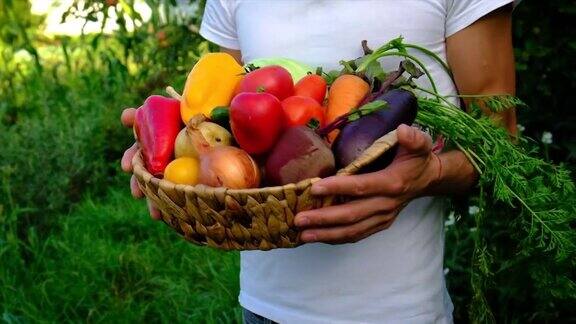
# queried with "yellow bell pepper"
point(210, 84)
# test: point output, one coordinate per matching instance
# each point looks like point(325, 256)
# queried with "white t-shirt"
point(396, 275)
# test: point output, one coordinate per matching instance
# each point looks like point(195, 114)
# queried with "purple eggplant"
point(357, 136)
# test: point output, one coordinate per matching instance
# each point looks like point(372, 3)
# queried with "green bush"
point(545, 49)
point(59, 124)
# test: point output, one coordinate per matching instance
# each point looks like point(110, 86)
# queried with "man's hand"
point(127, 119)
point(380, 195)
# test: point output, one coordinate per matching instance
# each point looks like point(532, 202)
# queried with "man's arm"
point(481, 57)
point(236, 54)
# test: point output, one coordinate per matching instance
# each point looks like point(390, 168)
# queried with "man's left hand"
point(380, 196)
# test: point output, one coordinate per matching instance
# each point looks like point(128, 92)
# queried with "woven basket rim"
point(140, 170)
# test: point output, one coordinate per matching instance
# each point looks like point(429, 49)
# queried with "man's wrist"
point(439, 173)
point(453, 174)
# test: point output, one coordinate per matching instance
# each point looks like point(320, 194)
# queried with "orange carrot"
point(345, 94)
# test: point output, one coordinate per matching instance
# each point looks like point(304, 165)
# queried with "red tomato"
point(299, 110)
point(272, 79)
point(257, 120)
point(312, 86)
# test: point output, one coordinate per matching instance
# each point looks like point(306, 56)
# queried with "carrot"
point(345, 94)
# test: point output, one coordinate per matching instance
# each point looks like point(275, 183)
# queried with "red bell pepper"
point(157, 124)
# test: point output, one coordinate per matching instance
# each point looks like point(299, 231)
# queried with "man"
point(393, 270)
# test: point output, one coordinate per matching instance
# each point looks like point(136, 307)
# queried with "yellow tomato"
point(184, 170)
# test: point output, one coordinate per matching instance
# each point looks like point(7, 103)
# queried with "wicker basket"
point(242, 219)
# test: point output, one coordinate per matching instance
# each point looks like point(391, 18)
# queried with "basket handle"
point(374, 151)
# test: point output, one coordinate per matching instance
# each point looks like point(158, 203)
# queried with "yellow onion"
point(213, 134)
point(230, 167)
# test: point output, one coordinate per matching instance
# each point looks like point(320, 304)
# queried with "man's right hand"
point(127, 119)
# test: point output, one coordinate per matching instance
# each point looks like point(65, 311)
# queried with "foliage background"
point(75, 247)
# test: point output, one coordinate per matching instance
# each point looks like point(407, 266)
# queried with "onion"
point(221, 166)
point(212, 134)
point(183, 146)
point(230, 167)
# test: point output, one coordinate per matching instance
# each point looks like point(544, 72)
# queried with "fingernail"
point(302, 221)
point(309, 237)
point(156, 214)
point(318, 190)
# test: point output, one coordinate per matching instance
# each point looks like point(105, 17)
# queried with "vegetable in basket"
point(221, 165)
point(183, 170)
point(302, 153)
point(210, 84)
point(296, 69)
point(355, 137)
point(221, 116)
point(257, 120)
point(214, 134)
point(312, 86)
point(299, 154)
point(229, 167)
point(273, 79)
point(156, 124)
point(345, 94)
point(299, 110)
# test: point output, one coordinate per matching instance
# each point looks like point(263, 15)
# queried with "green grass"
point(107, 261)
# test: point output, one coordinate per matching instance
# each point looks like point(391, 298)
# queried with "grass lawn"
point(107, 261)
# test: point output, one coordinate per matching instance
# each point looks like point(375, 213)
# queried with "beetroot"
point(299, 154)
